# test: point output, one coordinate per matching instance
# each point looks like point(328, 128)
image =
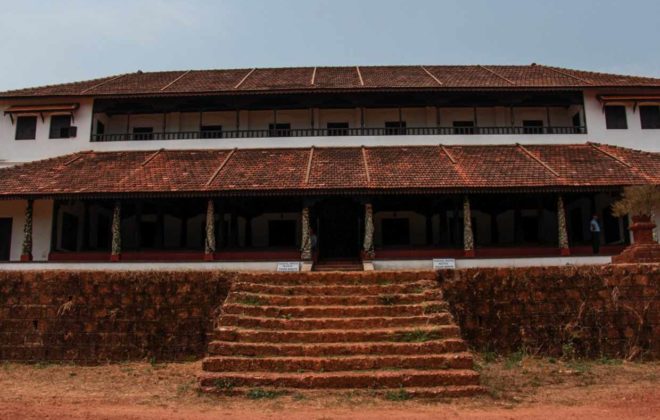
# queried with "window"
point(393, 128)
point(650, 116)
point(532, 126)
point(338, 129)
point(463, 127)
point(211, 131)
point(5, 238)
point(279, 130)
point(26, 128)
point(615, 117)
point(60, 127)
point(396, 231)
point(143, 133)
point(282, 233)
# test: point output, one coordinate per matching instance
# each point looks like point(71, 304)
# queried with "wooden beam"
point(446, 152)
point(151, 157)
point(309, 164)
point(103, 83)
point(359, 73)
point(222, 165)
point(538, 159)
point(431, 75)
point(181, 76)
point(311, 82)
point(497, 75)
point(563, 73)
point(244, 78)
point(613, 156)
point(366, 164)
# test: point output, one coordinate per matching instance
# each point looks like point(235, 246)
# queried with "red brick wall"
point(92, 317)
point(592, 311)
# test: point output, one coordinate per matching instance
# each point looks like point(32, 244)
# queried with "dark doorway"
point(339, 222)
point(5, 238)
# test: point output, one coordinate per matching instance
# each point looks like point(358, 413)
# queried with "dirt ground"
point(518, 388)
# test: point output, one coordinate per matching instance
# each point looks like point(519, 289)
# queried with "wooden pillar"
point(115, 253)
point(306, 240)
point(248, 231)
point(26, 253)
point(561, 225)
point(368, 252)
point(468, 235)
point(209, 242)
point(429, 227)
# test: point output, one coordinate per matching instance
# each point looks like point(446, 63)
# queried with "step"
point(331, 300)
point(338, 268)
point(345, 379)
point(334, 323)
point(419, 334)
point(230, 348)
point(335, 311)
point(437, 392)
point(336, 278)
point(333, 364)
point(335, 290)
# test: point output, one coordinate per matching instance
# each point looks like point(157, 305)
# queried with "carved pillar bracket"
point(209, 242)
point(115, 254)
point(368, 245)
point(561, 226)
point(306, 242)
point(26, 251)
point(468, 235)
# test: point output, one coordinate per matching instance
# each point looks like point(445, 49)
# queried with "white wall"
point(41, 226)
point(13, 151)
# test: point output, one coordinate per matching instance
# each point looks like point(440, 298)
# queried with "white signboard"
point(288, 267)
point(444, 263)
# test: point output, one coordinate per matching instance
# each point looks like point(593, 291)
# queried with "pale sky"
point(45, 42)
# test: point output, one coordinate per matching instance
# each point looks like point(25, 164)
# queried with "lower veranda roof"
point(332, 170)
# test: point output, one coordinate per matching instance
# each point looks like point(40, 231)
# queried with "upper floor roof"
point(354, 78)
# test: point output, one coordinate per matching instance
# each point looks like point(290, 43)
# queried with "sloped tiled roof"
point(309, 79)
point(347, 169)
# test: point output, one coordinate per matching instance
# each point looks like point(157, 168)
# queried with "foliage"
point(637, 201)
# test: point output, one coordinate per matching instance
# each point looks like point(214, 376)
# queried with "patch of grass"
point(398, 395)
point(388, 299)
point(250, 301)
point(579, 366)
point(514, 359)
point(416, 336)
point(382, 282)
point(489, 356)
point(609, 362)
point(263, 394)
point(42, 365)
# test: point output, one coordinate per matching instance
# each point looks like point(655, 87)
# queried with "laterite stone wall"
point(594, 311)
point(94, 317)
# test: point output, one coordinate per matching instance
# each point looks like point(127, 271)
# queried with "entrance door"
point(338, 229)
point(5, 238)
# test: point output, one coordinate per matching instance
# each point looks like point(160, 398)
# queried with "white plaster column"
point(115, 254)
point(368, 245)
point(209, 242)
point(468, 235)
point(561, 226)
point(26, 251)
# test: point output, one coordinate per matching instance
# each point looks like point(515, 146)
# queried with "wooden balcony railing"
point(336, 132)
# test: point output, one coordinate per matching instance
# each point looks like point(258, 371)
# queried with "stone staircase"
point(385, 332)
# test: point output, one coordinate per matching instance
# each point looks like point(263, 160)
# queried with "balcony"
point(338, 132)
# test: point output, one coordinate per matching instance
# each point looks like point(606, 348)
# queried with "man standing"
point(594, 227)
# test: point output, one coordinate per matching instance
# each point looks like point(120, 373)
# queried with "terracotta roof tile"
point(374, 77)
point(333, 169)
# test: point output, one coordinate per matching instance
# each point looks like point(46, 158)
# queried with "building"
point(391, 165)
